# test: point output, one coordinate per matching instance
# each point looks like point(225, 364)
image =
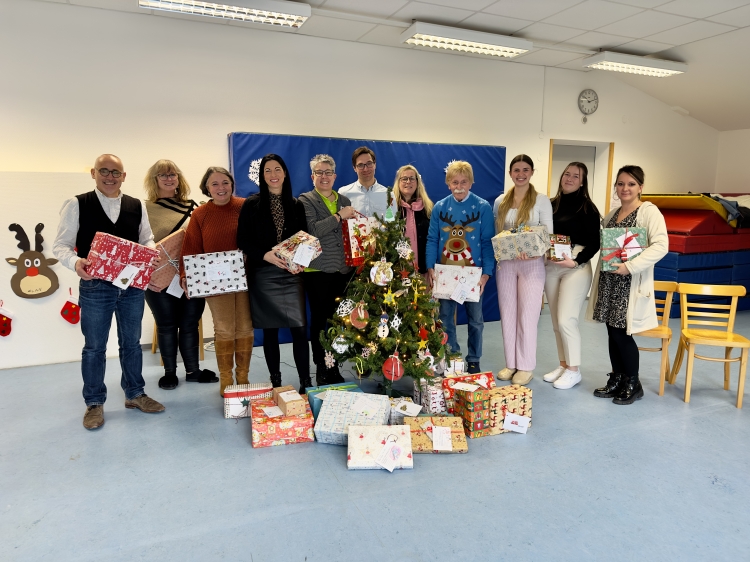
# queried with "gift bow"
point(620, 252)
point(170, 261)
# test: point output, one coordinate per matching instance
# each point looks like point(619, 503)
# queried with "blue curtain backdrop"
point(247, 149)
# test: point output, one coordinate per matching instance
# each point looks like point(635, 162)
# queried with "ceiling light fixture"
point(271, 12)
point(463, 40)
point(633, 64)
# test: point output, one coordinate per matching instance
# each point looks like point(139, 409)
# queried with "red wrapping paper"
point(109, 255)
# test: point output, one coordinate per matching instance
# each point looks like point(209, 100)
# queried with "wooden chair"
point(704, 314)
point(155, 339)
point(662, 332)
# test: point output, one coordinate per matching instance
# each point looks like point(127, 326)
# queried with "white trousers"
point(566, 290)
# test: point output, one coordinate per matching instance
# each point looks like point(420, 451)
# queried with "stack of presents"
point(381, 432)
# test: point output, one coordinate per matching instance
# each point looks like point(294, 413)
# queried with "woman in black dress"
point(277, 297)
point(416, 207)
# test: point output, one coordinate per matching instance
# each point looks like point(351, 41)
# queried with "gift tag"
point(218, 271)
point(389, 456)
point(272, 411)
point(409, 409)
point(465, 386)
point(290, 396)
point(441, 438)
point(304, 255)
point(364, 406)
point(460, 293)
point(126, 276)
point(175, 289)
point(514, 422)
point(457, 365)
point(428, 427)
point(321, 396)
point(561, 249)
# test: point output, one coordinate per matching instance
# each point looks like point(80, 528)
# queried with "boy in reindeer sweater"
point(461, 229)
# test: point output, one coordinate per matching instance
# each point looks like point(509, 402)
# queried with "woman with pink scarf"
point(416, 208)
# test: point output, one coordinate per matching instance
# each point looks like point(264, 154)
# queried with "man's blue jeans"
point(99, 300)
point(476, 326)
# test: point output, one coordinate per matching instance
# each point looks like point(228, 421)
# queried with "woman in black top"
point(416, 208)
point(277, 297)
point(568, 281)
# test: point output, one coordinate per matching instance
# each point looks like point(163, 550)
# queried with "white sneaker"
point(568, 380)
point(552, 376)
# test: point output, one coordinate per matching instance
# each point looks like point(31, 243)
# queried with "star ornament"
point(422, 344)
point(389, 298)
point(245, 402)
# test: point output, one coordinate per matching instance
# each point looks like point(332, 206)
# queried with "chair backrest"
point(664, 306)
point(709, 314)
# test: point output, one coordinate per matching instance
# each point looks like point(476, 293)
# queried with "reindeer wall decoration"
point(34, 278)
point(457, 250)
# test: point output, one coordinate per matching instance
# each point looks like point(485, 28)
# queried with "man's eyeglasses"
point(167, 176)
point(362, 166)
point(326, 173)
point(104, 172)
point(409, 179)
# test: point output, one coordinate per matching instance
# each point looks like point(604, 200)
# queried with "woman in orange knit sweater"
point(213, 228)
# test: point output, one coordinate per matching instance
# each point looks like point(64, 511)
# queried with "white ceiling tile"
point(645, 24)
point(546, 57)
point(495, 24)
point(700, 8)
point(575, 64)
point(334, 28)
point(691, 32)
point(548, 33)
point(384, 35)
point(740, 17)
point(595, 40)
point(643, 47)
point(431, 13)
point(119, 5)
point(465, 4)
point(641, 3)
point(592, 14)
point(381, 8)
point(529, 9)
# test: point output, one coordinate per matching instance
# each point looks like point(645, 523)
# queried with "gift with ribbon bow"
point(618, 245)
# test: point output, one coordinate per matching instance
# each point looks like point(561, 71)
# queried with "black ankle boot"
point(276, 380)
point(304, 384)
point(169, 381)
point(334, 376)
point(630, 391)
point(320, 375)
point(612, 387)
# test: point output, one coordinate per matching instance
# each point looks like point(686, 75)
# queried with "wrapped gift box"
point(473, 414)
point(314, 394)
point(477, 425)
point(485, 380)
point(513, 398)
point(342, 409)
point(357, 238)
point(109, 255)
point(621, 244)
point(170, 252)
point(559, 244)
point(287, 249)
point(430, 393)
point(292, 403)
point(367, 441)
point(237, 398)
point(217, 273)
point(397, 417)
point(476, 434)
point(470, 397)
point(280, 430)
point(449, 277)
point(421, 440)
point(533, 240)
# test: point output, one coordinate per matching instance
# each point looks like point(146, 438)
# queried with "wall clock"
point(588, 101)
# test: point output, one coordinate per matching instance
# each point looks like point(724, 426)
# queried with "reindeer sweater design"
point(461, 232)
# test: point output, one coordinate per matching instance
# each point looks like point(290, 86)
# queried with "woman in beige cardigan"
point(624, 299)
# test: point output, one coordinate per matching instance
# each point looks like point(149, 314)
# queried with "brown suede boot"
point(243, 351)
point(225, 360)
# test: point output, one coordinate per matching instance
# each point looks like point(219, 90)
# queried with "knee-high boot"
point(243, 351)
point(225, 360)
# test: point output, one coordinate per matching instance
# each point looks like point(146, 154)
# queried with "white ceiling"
point(711, 36)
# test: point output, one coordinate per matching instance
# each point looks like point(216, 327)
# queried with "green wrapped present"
point(618, 245)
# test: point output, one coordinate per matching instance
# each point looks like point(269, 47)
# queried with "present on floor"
point(119, 261)
point(316, 394)
point(342, 409)
point(358, 238)
point(559, 247)
point(215, 273)
point(271, 428)
point(484, 380)
point(237, 398)
point(457, 282)
point(473, 405)
point(289, 400)
point(298, 251)
point(618, 245)
point(379, 447)
point(401, 408)
point(422, 434)
point(170, 252)
point(513, 398)
point(534, 241)
point(430, 394)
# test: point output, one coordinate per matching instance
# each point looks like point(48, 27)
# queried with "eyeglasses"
point(407, 179)
point(104, 172)
point(326, 173)
point(167, 176)
point(362, 166)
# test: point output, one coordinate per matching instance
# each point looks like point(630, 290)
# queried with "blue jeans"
point(476, 326)
point(99, 300)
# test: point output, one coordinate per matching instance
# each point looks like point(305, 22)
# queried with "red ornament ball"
point(359, 317)
point(393, 368)
point(445, 338)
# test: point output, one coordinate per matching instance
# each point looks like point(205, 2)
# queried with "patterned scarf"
point(411, 225)
point(277, 213)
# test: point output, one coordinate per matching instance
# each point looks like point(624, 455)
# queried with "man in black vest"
point(108, 210)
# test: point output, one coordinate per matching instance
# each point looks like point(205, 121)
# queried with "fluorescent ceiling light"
point(633, 64)
point(272, 12)
point(441, 37)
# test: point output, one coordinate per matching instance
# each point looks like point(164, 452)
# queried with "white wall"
point(733, 172)
point(77, 82)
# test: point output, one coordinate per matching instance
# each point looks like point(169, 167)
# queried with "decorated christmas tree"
point(387, 323)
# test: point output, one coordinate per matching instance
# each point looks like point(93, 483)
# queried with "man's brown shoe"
point(144, 404)
point(94, 417)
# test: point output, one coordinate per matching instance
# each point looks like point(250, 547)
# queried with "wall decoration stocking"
point(71, 311)
point(5, 321)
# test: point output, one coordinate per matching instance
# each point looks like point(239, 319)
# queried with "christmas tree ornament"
point(389, 298)
point(400, 292)
point(389, 215)
point(404, 249)
point(345, 308)
point(340, 345)
point(422, 344)
point(365, 352)
point(426, 356)
point(422, 333)
point(383, 330)
point(404, 274)
point(393, 368)
point(71, 311)
point(416, 292)
point(329, 360)
point(444, 338)
point(406, 282)
point(6, 318)
point(382, 273)
point(396, 322)
point(359, 316)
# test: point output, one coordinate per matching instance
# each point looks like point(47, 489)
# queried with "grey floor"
point(658, 480)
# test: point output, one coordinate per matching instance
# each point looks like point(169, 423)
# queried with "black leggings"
point(177, 325)
point(300, 349)
point(322, 291)
point(623, 352)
